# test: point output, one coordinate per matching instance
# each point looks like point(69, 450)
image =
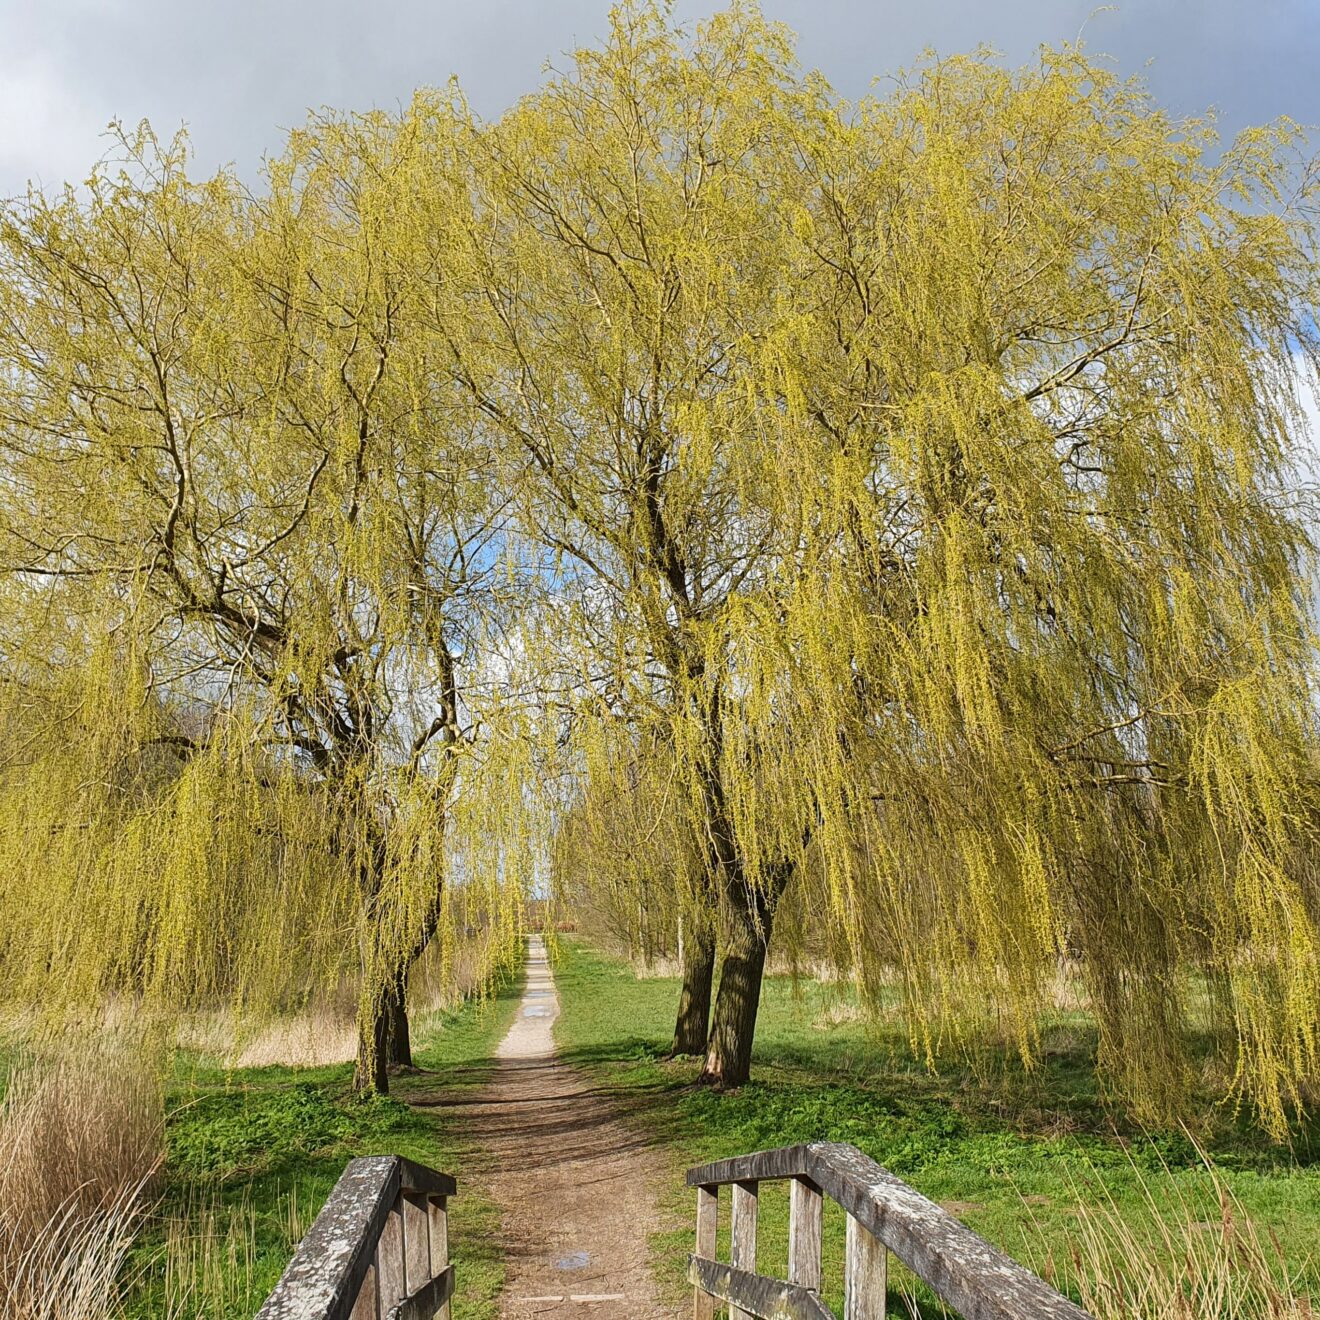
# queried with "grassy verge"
point(1013, 1155)
point(253, 1153)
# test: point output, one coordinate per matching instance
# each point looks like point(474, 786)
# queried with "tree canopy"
point(885, 518)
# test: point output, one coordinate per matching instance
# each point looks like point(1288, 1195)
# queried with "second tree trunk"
point(399, 1048)
point(694, 999)
point(748, 917)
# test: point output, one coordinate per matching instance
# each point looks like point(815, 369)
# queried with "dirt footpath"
point(575, 1184)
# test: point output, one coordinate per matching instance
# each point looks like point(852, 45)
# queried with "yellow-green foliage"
point(1050, 667)
point(899, 496)
point(251, 555)
point(931, 465)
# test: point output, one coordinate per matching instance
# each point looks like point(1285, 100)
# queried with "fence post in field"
point(743, 1256)
point(389, 1262)
point(439, 1217)
point(367, 1306)
point(865, 1274)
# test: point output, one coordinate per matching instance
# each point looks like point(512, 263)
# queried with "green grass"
point(253, 1153)
point(1011, 1154)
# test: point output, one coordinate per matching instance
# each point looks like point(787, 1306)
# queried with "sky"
point(240, 73)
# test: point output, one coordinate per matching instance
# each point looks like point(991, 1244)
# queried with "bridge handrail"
point(379, 1249)
point(884, 1213)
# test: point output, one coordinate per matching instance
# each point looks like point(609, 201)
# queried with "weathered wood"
point(389, 1261)
point(438, 1217)
point(804, 1214)
point(416, 1241)
point(743, 1237)
point(418, 1178)
point(969, 1275)
point(865, 1274)
point(761, 1165)
point(428, 1300)
point(367, 1306)
point(325, 1276)
point(752, 1295)
point(708, 1210)
point(357, 1261)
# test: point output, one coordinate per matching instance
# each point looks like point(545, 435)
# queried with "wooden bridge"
point(379, 1249)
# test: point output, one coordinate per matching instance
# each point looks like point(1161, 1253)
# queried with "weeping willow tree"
point(933, 459)
point(893, 505)
point(626, 254)
point(250, 555)
point(1044, 666)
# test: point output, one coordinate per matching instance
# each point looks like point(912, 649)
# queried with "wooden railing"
point(884, 1214)
point(379, 1249)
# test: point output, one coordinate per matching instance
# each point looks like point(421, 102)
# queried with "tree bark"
point(399, 1048)
point(694, 998)
point(384, 1038)
point(748, 920)
point(370, 1076)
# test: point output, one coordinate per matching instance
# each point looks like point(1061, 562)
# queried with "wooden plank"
point(804, 1214)
point(969, 1275)
point(865, 1274)
point(416, 1240)
point(418, 1178)
point(438, 1218)
point(389, 1262)
point(760, 1166)
point(324, 1279)
point(743, 1253)
point(367, 1306)
point(754, 1295)
point(429, 1300)
point(708, 1212)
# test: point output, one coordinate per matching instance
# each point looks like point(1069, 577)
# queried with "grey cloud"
point(239, 74)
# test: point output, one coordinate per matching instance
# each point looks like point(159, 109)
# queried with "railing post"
point(438, 1215)
point(804, 1211)
point(743, 1255)
point(367, 1306)
point(865, 1274)
point(708, 1210)
point(389, 1261)
point(416, 1241)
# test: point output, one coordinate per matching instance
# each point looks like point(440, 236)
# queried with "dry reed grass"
point(72, 1269)
point(210, 1255)
point(1192, 1254)
point(81, 1138)
point(324, 1032)
point(309, 1040)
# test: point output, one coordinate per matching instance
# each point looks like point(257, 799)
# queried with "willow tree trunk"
point(399, 1048)
point(371, 1075)
point(748, 920)
point(384, 1039)
point(729, 1049)
point(690, 1030)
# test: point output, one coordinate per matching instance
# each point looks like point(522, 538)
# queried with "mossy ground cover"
point(253, 1153)
point(1013, 1154)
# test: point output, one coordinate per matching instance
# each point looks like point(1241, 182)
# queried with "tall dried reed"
point(81, 1138)
point(1189, 1252)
